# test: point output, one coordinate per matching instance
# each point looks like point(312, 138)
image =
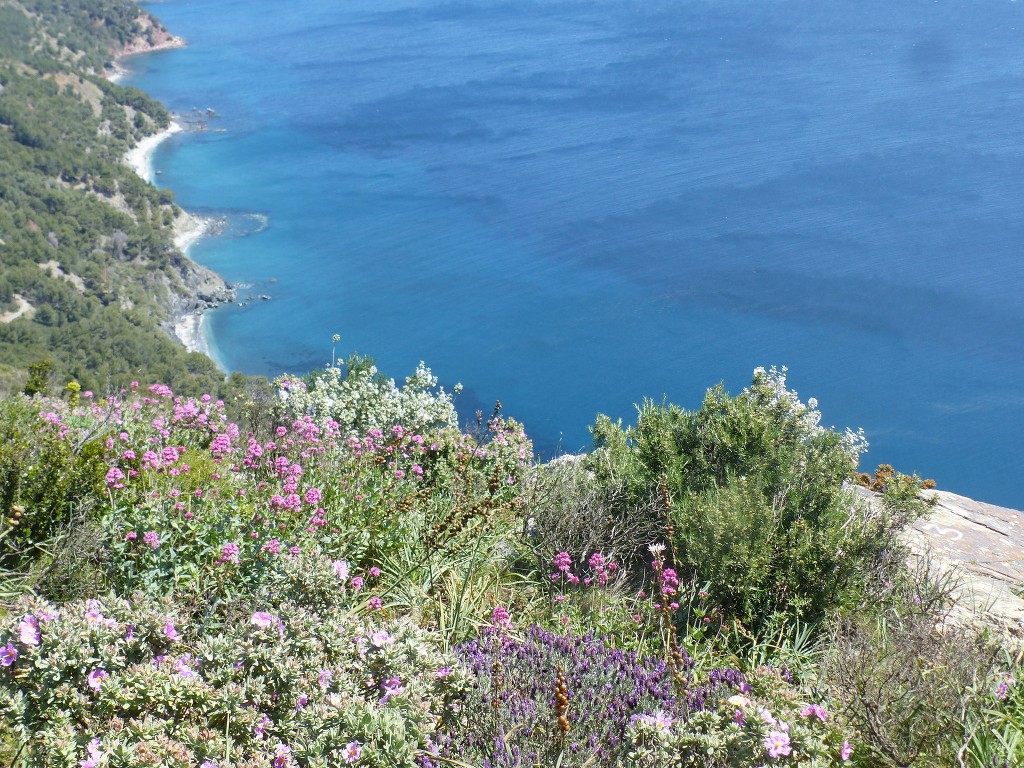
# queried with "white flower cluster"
point(365, 400)
point(768, 391)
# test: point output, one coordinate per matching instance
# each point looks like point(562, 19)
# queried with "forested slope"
point(89, 275)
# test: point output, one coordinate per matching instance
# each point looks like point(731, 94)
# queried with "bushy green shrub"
point(755, 491)
point(47, 482)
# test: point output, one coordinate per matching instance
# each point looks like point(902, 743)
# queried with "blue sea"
point(570, 206)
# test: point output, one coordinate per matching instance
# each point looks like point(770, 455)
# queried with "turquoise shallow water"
point(570, 206)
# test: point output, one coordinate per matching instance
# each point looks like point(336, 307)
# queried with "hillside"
point(90, 278)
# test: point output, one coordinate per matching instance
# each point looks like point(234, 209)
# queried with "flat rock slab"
point(984, 543)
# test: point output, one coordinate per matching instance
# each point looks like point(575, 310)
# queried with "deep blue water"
point(569, 206)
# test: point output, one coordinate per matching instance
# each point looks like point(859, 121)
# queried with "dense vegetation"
point(349, 579)
point(88, 271)
point(331, 572)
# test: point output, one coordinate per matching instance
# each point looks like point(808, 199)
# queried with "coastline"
point(208, 289)
point(190, 324)
point(140, 157)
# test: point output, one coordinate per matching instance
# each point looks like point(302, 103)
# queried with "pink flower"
point(96, 678)
point(500, 618)
point(229, 553)
point(94, 616)
point(324, 678)
point(114, 478)
point(28, 630)
point(8, 654)
point(357, 583)
point(313, 496)
point(340, 569)
point(1003, 689)
point(392, 687)
point(353, 751)
point(380, 638)
point(669, 582)
point(152, 538)
point(815, 710)
point(563, 561)
point(170, 631)
point(273, 546)
point(283, 757)
point(777, 744)
point(375, 571)
point(183, 666)
point(96, 755)
point(264, 620)
point(374, 603)
point(261, 727)
point(846, 751)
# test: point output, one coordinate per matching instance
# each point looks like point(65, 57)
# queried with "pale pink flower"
point(96, 678)
point(380, 638)
point(777, 744)
point(96, 755)
point(183, 666)
point(28, 630)
point(815, 710)
point(8, 654)
point(392, 687)
point(353, 751)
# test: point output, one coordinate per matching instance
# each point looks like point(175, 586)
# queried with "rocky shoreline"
point(204, 289)
point(979, 546)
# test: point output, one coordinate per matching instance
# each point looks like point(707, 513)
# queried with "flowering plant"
point(112, 682)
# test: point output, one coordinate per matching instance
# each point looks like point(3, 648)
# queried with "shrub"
point(571, 510)
point(363, 399)
point(548, 699)
point(905, 675)
point(756, 491)
point(131, 684)
point(48, 482)
point(541, 698)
